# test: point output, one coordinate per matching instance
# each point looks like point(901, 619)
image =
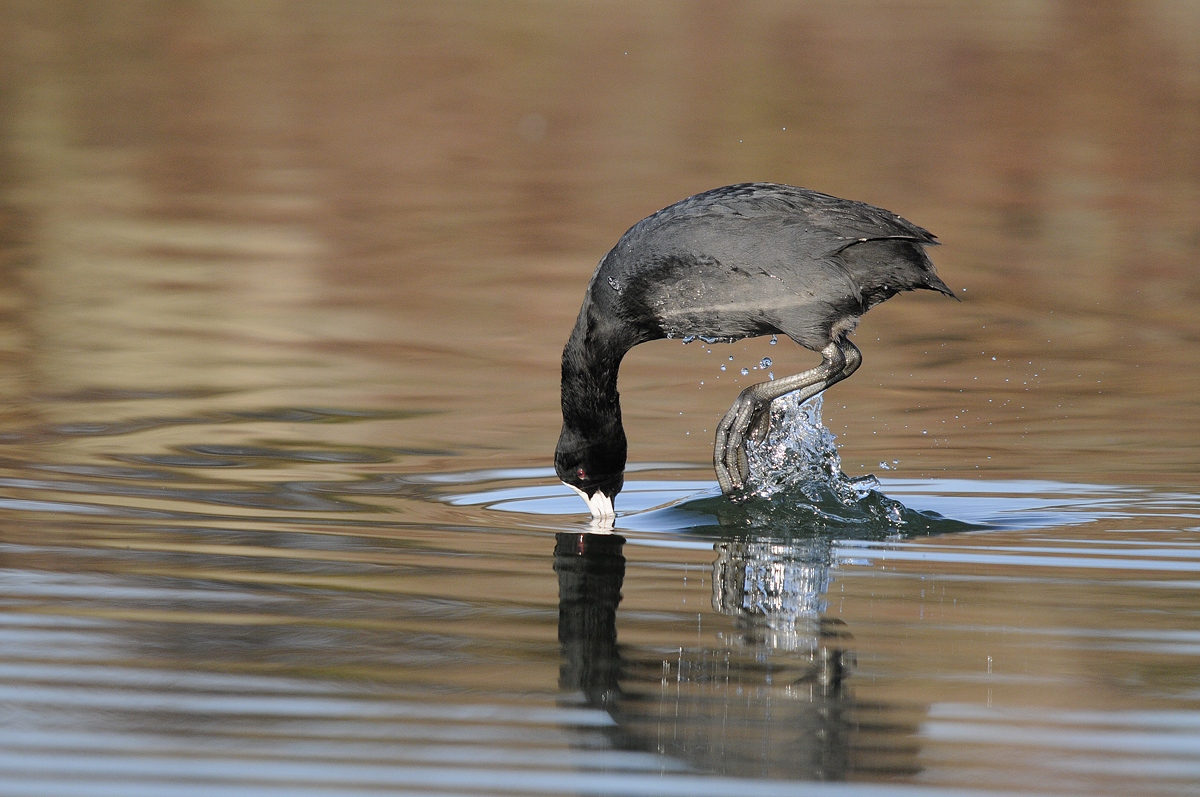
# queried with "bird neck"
point(590, 361)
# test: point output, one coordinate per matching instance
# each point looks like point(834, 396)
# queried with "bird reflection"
point(590, 571)
point(767, 696)
point(774, 591)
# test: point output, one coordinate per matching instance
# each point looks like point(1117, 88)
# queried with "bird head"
point(593, 466)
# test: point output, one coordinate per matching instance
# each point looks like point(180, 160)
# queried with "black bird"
point(730, 263)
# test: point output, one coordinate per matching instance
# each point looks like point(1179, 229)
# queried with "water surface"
point(282, 293)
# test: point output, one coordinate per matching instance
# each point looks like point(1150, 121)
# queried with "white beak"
point(600, 505)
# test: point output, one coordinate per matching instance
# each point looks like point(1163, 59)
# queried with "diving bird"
point(731, 263)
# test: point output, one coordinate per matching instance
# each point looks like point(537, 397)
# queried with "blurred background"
point(397, 206)
point(283, 292)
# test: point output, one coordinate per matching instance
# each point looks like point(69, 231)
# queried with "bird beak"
point(599, 504)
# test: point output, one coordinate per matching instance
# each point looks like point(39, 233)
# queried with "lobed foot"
point(748, 419)
point(750, 416)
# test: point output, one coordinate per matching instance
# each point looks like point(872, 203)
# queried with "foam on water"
point(798, 460)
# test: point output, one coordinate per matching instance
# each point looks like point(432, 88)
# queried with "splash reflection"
point(767, 697)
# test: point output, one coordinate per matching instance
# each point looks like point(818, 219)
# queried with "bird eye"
point(581, 474)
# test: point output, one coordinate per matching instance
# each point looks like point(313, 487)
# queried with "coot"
point(731, 263)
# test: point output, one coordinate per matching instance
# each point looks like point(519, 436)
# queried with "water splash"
point(799, 456)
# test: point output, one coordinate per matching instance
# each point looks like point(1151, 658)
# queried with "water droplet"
point(923, 431)
point(885, 466)
point(765, 363)
point(722, 368)
point(745, 372)
point(612, 283)
point(774, 339)
point(771, 375)
point(688, 338)
point(799, 453)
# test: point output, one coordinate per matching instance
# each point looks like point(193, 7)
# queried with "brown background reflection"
point(402, 202)
point(283, 290)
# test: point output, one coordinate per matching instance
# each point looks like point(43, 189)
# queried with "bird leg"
point(750, 415)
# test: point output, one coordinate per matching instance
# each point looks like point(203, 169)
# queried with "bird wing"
point(836, 223)
point(844, 220)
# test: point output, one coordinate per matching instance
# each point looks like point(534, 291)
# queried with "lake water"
point(282, 294)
